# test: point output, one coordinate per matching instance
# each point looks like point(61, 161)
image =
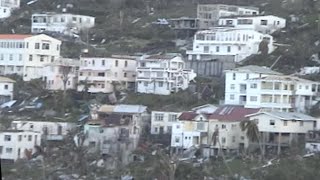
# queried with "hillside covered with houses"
point(159, 89)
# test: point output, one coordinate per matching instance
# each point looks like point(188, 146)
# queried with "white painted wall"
point(14, 143)
point(6, 89)
point(162, 119)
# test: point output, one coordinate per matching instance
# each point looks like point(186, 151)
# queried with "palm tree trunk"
point(279, 144)
point(224, 158)
point(260, 146)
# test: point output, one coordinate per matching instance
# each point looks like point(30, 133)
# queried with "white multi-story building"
point(105, 74)
point(236, 82)
point(60, 71)
point(26, 55)
point(63, 23)
point(260, 87)
point(48, 130)
point(281, 129)
point(190, 130)
point(225, 130)
point(7, 6)
point(266, 24)
point(284, 93)
point(228, 41)
point(16, 144)
point(209, 14)
point(162, 121)
point(162, 74)
point(6, 89)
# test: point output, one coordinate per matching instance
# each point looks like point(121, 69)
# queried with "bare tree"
point(65, 76)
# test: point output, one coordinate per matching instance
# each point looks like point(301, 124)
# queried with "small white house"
point(7, 6)
point(48, 130)
point(162, 74)
point(6, 89)
point(65, 23)
point(162, 121)
point(16, 144)
point(228, 41)
point(190, 130)
point(266, 24)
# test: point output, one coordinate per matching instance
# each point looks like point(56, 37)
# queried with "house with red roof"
point(224, 128)
point(190, 130)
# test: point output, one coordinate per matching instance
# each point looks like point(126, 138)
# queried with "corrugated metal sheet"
point(125, 108)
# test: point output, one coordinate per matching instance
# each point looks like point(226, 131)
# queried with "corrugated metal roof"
point(283, 78)
point(14, 36)
point(256, 69)
point(106, 108)
point(232, 113)
point(125, 108)
point(287, 115)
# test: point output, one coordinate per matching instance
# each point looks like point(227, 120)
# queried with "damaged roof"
point(189, 116)
point(122, 108)
point(232, 113)
point(255, 69)
point(283, 78)
point(286, 115)
point(5, 79)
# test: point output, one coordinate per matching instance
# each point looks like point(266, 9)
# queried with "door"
point(59, 130)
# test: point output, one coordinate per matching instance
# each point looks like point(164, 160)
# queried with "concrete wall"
point(211, 67)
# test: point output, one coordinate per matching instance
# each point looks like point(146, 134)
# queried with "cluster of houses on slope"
point(229, 31)
point(7, 6)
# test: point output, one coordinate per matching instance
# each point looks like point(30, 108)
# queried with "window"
point(58, 47)
point(20, 57)
point(102, 86)
point(307, 87)
point(30, 58)
point(272, 122)
point(264, 22)
point(223, 126)
point(124, 74)
point(10, 57)
point(253, 98)
point(145, 83)
point(159, 74)
point(52, 58)
point(101, 74)
point(1, 149)
point(232, 86)
point(229, 49)
point(8, 150)
point(285, 123)
point(301, 123)
point(158, 117)
point(6, 86)
point(205, 49)
point(277, 86)
point(45, 46)
point(242, 138)
point(231, 96)
point(41, 58)
point(177, 139)
point(169, 129)
point(223, 140)
point(20, 138)
point(233, 126)
point(217, 49)
point(155, 129)
point(93, 62)
point(234, 76)
point(160, 84)
point(37, 46)
point(2, 57)
point(247, 76)
point(103, 62)
point(253, 86)
point(7, 137)
point(30, 138)
point(233, 139)
point(172, 117)
point(116, 63)
point(125, 63)
point(200, 126)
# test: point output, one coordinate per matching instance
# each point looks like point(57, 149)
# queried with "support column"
point(279, 143)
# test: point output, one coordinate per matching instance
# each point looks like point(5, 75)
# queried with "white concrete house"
point(209, 14)
point(224, 128)
point(282, 93)
point(65, 23)
point(14, 144)
point(105, 72)
point(62, 69)
point(190, 130)
point(26, 55)
point(266, 24)
point(6, 89)
point(49, 130)
point(7, 6)
point(236, 82)
point(162, 121)
point(228, 41)
point(313, 141)
point(283, 128)
point(162, 74)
